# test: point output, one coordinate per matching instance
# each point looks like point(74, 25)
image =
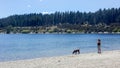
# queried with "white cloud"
point(47, 12)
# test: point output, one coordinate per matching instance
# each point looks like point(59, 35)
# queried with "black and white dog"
point(77, 51)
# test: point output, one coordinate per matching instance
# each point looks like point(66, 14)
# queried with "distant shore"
point(66, 33)
point(108, 59)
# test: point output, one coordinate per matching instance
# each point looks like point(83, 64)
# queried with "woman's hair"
point(99, 40)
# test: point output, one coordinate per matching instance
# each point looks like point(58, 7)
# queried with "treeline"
point(102, 17)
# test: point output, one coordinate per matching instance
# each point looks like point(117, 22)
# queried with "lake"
point(28, 46)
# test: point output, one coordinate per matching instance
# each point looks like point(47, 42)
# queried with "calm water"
point(27, 46)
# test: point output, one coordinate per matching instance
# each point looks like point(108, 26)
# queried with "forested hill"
point(103, 20)
point(106, 16)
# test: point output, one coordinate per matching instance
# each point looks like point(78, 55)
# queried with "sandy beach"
point(108, 59)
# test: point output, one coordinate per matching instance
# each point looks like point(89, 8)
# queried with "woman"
point(99, 46)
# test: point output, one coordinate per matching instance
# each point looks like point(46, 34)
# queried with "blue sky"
point(11, 7)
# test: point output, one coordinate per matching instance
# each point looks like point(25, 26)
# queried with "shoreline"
point(60, 33)
point(56, 56)
point(108, 59)
point(92, 52)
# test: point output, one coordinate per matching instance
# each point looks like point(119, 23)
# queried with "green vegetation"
point(25, 31)
point(106, 20)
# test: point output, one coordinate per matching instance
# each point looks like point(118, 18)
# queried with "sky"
point(12, 7)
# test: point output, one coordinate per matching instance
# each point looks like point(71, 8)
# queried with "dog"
point(77, 51)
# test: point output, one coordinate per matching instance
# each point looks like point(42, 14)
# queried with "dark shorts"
point(99, 47)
